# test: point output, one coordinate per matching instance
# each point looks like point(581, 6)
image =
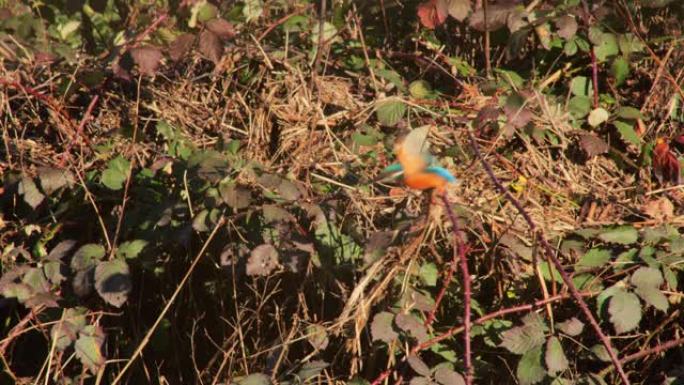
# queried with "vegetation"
point(191, 194)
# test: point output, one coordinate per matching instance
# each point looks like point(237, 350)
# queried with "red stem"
point(594, 77)
point(462, 250)
point(551, 255)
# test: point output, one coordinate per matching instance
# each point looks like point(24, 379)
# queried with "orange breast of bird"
point(410, 163)
point(424, 181)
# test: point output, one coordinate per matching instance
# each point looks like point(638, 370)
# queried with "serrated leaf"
point(87, 348)
point(627, 132)
point(429, 274)
point(179, 47)
point(595, 257)
point(625, 311)
point(221, 28)
point(572, 327)
point(620, 70)
point(654, 297)
point(263, 260)
point(623, 235)
point(113, 281)
point(87, 256)
point(131, 249)
point(607, 46)
point(381, 327)
point(555, 358)
point(647, 277)
point(412, 326)
point(530, 369)
point(521, 339)
point(60, 250)
point(418, 365)
point(390, 112)
point(147, 58)
point(597, 116)
point(629, 43)
point(593, 145)
point(116, 173)
point(236, 197)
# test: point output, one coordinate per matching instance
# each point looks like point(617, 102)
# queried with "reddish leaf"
point(432, 13)
point(210, 46)
point(497, 16)
point(665, 163)
point(221, 28)
point(181, 46)
point(147, 58)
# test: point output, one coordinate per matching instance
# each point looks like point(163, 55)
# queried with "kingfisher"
point(418, 167)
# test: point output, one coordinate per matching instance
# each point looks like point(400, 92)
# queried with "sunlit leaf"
point(625, 311)
point(381, 327)
point(555, 358)
point(113, 281)
point(530, 369)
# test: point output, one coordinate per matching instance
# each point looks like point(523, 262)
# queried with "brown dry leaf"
point(222, 28)
point(593, 145)
point(660, 209)
point(210, 46)
point(432, 13)
point(181, 46)
point(665, 164)
point(497, 17)
point(147, 58)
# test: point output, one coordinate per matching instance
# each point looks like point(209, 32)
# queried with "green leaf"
point(625, 259)
point(581, 86)
point(579, 106)
point(625, 311)
point(595, 257)
point(252, 9)
point(572, 327)
point(447, 376)
point(418, 365)
point(420, 89)
point(87, 348)
point(131, 249)
point(116, 173)
point(530, 369)
point(390, 112)
point(624, 235)
point(522, 339)
point(629, 44)
point(601, 352)
point(620, 70)
point(607, 46)
point(391, 76)
point(429, 273)
point(627, 132)
point(647, 277)
point(549, 272)
point(627, 112)
point(570, 48)
point(255, 379)
point(113, 281)
point(598, 116)
point(310, 370)
point(87, 256)
point(555, 357)
point(654, 297)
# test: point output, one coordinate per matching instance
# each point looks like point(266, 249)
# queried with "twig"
point(654, 350)
point(280, 21)
point(550, 253)
point(487, 48)
point(321, 30)
point(147, 337)
point(461, 251)
point(594, 76)
point(81, 127)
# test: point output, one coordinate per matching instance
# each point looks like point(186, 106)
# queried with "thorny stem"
point(461, 249)
point(550, 253)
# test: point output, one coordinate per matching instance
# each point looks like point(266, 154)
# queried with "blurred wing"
point(392, 171)
point(413, 151)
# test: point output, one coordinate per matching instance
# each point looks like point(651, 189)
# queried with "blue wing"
point(442, 172)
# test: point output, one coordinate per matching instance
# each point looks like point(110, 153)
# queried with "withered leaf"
point(181, 46)
point(210, 46)
point(263, 260)
point(593, 145)
point(147, 58)
point(432, 13)
point(222, 28)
